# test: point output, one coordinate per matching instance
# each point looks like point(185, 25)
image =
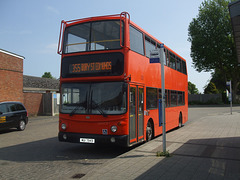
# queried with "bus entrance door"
point(136, 112)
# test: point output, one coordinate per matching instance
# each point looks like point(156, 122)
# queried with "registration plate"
point(87, 140)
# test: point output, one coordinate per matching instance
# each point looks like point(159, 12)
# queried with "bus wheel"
point(180, 120)
point(149, 131)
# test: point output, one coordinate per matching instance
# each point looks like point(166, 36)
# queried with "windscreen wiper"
point(96, 106)
point(78, 105)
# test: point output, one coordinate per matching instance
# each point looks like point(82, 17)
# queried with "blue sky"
point(31, 28)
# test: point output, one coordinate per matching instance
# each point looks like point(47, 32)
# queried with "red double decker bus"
point(109, 90)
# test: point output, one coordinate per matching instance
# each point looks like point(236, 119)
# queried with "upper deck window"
point(172, 61)
point(91, 36)
point(149, 45)
point(136, 40)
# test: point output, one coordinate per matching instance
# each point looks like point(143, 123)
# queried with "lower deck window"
point(152, 98)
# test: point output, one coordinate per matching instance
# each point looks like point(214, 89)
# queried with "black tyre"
point(21, 125)
point(149, 131)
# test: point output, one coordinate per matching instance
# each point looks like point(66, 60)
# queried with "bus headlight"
point(114, 129)
point(64, 126)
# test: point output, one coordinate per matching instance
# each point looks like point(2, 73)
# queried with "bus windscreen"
point(104, 98)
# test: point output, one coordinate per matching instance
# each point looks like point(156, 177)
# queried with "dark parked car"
point(13, 114)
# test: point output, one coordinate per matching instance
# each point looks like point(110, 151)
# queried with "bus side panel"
point(142, 71)
point(137, 67)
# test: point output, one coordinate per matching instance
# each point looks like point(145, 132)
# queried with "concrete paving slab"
point(205, 149)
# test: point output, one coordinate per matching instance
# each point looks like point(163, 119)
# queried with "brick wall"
point(33, 103)
point(11, 77)
point(11, 85)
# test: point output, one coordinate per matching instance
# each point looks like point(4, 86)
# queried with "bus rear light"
point(114, 129)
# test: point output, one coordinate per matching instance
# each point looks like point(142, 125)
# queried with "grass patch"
point(163, 154)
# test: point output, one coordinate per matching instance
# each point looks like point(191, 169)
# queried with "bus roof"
point(114, 16)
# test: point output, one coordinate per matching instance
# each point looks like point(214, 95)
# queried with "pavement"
point(42, 118)
point(205, 149)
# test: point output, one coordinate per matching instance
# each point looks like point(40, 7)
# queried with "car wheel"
point(22, 125)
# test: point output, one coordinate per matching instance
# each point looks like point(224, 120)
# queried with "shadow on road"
point(53, 150)
point(5, 131)
point(214, 158)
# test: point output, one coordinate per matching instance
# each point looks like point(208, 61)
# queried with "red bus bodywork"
point(143, 81)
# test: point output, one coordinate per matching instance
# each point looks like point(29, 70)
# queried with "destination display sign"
point(93, 67)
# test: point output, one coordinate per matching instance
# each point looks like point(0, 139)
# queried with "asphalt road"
point(195, 113)
point(36, 152)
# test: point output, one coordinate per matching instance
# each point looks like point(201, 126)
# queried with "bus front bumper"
point(121, 140)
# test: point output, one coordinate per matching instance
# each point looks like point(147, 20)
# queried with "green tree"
point(212, 43)
point(47, 75)
point(219, 80)
point(192, 88)
point(211, 89)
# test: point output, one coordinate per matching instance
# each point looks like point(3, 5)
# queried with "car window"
point(19, 107)
point(12, 107)
point(3, 108)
